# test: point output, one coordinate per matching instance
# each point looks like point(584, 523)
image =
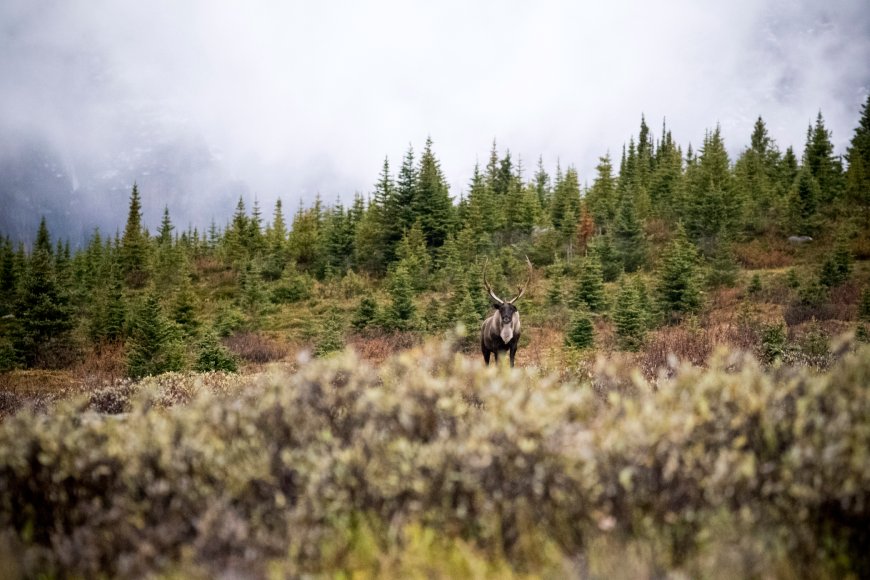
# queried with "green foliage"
point(555, 291)
point(773, 342)
point(211, 355)
point(462, 309)
point(611, 264)
point(791, 279)
point(602, 196)
point(858, 173)
point(411, 253)
point(864, 305)
point(803, 203)
point(723, 266)
point(565, 204)
point(820, 161)
point(154, 347)
point(581, 332)
point(713, 205)
point(629, 319)
point(229, 319)
point(44, 318)
point(330, 338)
point(133, 251)
point(431, 204)
point(366, 313)
point(109, 312)
point(252, 293)
point(401, 313)
point(590, 288)
point(813, 293)
point(836, 268)
point(678, 287)
point(628, 236)
point(755, 286)
point(293, 287)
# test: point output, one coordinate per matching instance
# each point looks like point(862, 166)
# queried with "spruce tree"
point(9, 275)
point(401, 312)
point(804, 203)
point(756, 175)
point(858, 173)
point(431, 204)
point(541, 184)
point(211, 355)
point(134, 245)
point(629, 319)
point(412, 254)
point(154, 347)
point(611, 264)
point(581, 332)
point(678, 288)
point(565, 204)
point(836, 268)
point(628, 236)
point(330, 337)
point(825, 167)
point(184, 307)
point(399, 208)
point(666, 181)
point(366, 313)
point(252, 294)
point(461, 309)
point(723, 266)
point(305, 241)
point(556, 274)
point(590, 288)
point(713, 205)
point(44, 316)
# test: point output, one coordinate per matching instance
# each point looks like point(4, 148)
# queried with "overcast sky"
point(300, 97)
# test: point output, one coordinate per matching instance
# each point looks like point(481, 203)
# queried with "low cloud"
point(291, 99)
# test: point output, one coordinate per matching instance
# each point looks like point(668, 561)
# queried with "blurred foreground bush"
point(432, 465)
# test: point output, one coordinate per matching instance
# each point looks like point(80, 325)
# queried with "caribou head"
point(501, 331)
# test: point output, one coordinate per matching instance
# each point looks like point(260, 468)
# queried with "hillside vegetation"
point(278, 399)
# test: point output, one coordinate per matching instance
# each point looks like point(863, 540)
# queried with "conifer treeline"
point(138, 286)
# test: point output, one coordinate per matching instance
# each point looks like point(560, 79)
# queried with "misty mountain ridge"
point(78, 192)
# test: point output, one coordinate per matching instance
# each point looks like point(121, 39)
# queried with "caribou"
point(501, 331)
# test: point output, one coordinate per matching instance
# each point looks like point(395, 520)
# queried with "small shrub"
point(365, 314)
point(228, 321)
point(330, 337)
point(773, 342)
point(754, 287)
point(213, 356)
point(581, 333)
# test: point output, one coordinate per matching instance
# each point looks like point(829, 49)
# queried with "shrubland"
point(431, 464)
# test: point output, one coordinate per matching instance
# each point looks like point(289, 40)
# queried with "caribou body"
point(501, 331)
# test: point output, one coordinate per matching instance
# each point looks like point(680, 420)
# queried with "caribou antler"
point(523, 289)
point(487, 286)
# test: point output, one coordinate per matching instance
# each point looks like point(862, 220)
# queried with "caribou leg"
point(513, 352)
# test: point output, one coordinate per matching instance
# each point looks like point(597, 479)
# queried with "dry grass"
point(256, 347)
point(765, 253)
